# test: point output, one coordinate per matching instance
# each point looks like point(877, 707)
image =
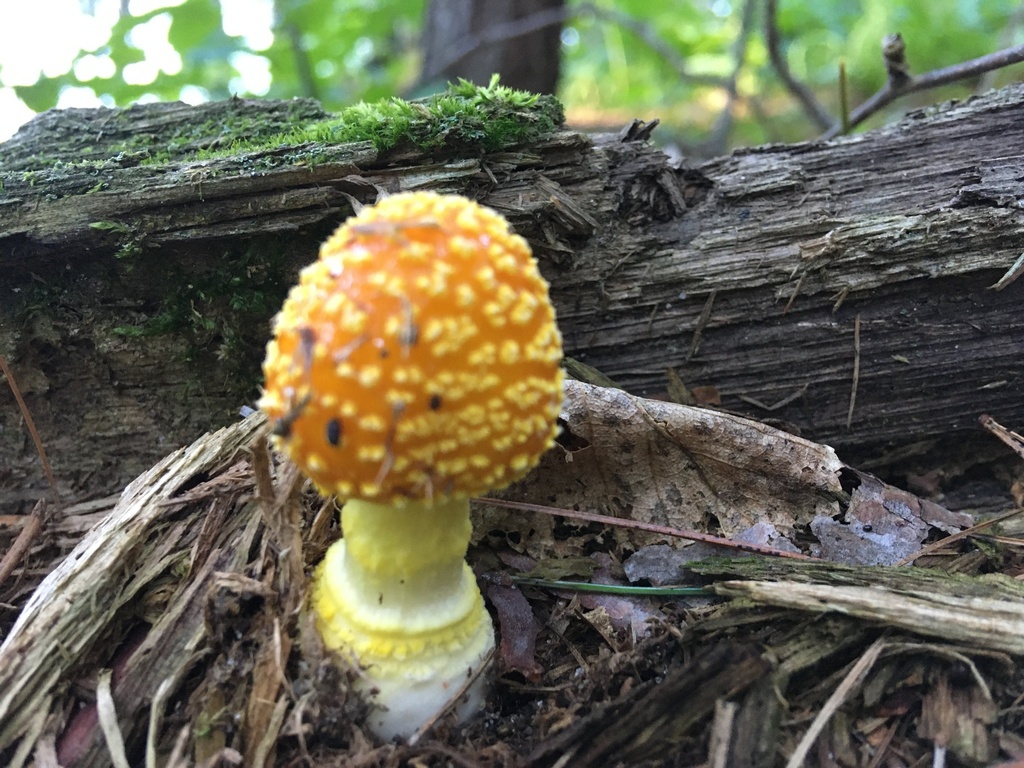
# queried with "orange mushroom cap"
point(418, 357)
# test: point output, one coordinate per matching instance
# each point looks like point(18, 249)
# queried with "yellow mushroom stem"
point(397, 595)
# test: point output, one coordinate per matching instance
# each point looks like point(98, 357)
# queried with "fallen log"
point(857, 291)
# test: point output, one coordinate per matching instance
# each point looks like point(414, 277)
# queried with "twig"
point(269, 740)
point(723, 734)
point(895, 88)
point(1012, 439)
point(844, 98)
point(840, 298)
point(177, 757)
point(850, 683)
point(965, 533)
point(794, 294)
point(108, 721)
point(265, 492)
point(663, 530)
point(23, 543)
point(156, 718)
point(37, 517)
point(894, 56)
point(27, 415)
point(702, 321)
point(856, 370)
point(882, 748)
point(804, 95)
point(777, 405)
point(453, 700)
point(628, 590)
point(1011, 274)
point(1006, 38)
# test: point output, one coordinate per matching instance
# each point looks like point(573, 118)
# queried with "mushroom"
point(415, 364)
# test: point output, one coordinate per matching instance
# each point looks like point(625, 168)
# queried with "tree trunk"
point(473, 39)
point(135, 297)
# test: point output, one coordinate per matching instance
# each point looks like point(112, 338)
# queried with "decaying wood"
point(650, 723)
point(82, 611)
point(984, 613)
point(906, 227)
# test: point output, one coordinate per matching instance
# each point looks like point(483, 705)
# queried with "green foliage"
point(341, 51)
point(194, 31)
point(612, 69)
point(937, 35)
point(338, 51)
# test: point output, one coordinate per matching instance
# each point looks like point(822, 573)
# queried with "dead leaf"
point(677, 390)
point(518, 629)
point(614, 615)
point(707, 395)
point(882, 525)
point(669, 464)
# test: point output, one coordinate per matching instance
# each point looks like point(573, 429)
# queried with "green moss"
point(128, 249)
point(464, 117)
point(108, 139)
point(109, 226)
point(222, 312)
point(220, 303)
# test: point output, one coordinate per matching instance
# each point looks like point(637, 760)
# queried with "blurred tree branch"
point(718, 142)
point(1009, 33)
point(654, 41)
point(814, 108)
point(900, 82)
point(302, 66)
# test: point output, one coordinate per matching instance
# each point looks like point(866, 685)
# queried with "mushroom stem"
point(397, 594)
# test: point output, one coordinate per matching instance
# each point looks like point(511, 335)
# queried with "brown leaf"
point(882, 525)
point(672, 465)
point(518, 629)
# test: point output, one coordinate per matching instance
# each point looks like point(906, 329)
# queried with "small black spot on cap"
point(435, 402)
point(334, 432)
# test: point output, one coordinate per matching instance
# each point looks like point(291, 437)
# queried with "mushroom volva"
point(415, 364)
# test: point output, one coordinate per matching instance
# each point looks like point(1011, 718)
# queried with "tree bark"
point(135, 298)
point(474, 39)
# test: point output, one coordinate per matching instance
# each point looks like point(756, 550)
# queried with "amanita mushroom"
point(416, 364)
